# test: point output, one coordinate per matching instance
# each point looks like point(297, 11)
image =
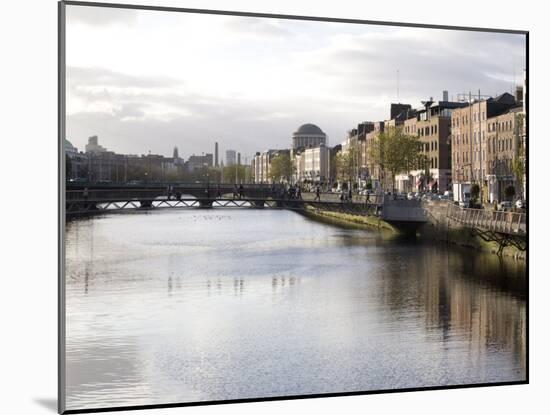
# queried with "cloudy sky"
point(149, 80)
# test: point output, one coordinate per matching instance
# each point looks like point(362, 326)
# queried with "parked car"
point(505, 205)
point(520, 204)
point(400, 196)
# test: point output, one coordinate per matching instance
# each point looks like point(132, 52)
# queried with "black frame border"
point(61, 200)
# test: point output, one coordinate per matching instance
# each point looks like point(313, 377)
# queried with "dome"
point(309, 129)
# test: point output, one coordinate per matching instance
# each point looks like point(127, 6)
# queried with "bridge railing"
point(491, 220)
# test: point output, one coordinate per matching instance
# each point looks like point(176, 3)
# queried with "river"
point(199, 305)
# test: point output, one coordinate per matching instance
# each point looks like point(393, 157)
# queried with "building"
point(399, 111)
point(312, 165)
point(70, 150)
point(198, 162)
point(308, 136)
point(469, 138)
point(75, 162)
point(504, 145)
point(230, 157)
point(176, 159)
point(262, 164)
point(432, 125)
point(93, 145)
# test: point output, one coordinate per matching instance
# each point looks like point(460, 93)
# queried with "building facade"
point(469, 133)
point(262, 164)
point(432, 125)
point(312, 165)
point(230, 158)
point(504, 146)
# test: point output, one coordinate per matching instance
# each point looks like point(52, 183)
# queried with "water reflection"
point(175, 306)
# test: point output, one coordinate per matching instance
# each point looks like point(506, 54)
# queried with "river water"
point(200, 305)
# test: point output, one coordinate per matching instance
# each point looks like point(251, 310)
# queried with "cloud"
point(97, 76)
point(254, 27)
point(100, 16)
point(368, 64)
point(189, 80)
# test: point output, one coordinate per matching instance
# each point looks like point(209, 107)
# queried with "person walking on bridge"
point(241, 191)
point(317, 194)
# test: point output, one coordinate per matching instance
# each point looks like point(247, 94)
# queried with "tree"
point(518, 168)
point(346, 165)
point(396, 152)
point(281, 168)
point(234, 174)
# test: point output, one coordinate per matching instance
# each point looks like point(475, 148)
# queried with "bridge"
point(145, 192)
point(86, 206)
point(87, 199)
point(505, 228)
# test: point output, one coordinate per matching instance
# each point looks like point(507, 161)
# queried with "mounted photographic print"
point(259, 207)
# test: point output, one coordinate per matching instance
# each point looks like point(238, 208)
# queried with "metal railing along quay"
point(513, 223)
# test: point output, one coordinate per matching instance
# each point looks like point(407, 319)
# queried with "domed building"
point(308, 136)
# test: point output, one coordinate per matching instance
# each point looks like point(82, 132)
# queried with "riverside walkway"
point(503, 227)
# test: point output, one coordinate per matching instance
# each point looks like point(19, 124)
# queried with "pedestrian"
point(350, 195)
point(85, 194)
point(241, 191)
point(318, 193)
point(219, 192)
